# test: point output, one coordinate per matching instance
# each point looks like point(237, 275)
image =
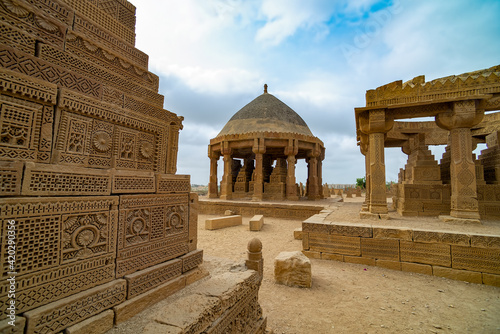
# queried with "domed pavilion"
point(260, 146)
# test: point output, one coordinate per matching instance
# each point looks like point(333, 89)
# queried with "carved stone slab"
point(384, 249)
point(129, 182)
point(152, 229)
point(427, 253)
point(476, 259)
point(168, 183)
point(64, 245)
point(192, 260)
point(147, 279)
point(63, 313)
point(334, 244)
point(10, 178)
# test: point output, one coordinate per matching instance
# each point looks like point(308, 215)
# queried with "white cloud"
point(286, 16)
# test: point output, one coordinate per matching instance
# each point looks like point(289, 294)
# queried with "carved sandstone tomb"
point(265, 132)
point(461, 187)
point(88, 165)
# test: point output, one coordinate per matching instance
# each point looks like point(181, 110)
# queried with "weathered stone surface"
point(131, 307)
point(416, 268)
point(97, 324)
point(426, 253)
point(297, 234)
point(360, 260)
point(293, 269)
point(459, 275)
point(56, 316)
point(476, 259)
point(18, 328)
point(392, 233)
point(222, 222)
point(384, 249)
point(491, 279)
point(256, 223)
point(334, 244)
point(394, 265)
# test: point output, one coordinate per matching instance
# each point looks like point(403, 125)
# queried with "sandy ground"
point(345, 297)
point(351, 298)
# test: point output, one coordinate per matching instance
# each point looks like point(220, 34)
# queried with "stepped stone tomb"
point(88, 162)
point(260, 146)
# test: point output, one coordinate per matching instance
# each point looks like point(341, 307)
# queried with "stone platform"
point(465, 252)
point(278, 209)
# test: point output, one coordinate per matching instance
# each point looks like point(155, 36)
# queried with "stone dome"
point(266, 113)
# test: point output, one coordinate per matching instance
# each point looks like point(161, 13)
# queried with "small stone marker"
point(256, 223)
point(221, 222)
point(229, 213)
point(297, 233)
point(293, 269)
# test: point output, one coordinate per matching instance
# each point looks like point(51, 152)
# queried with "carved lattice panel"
point(63, 245)
point(25, 130)
point(152, 229)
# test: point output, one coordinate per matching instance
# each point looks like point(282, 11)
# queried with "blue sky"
point(317, 56)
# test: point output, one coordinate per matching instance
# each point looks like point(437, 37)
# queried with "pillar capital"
point(225, 149)
point(462, 114)
point(259, 146)
point(292, 148)
point(375, 121)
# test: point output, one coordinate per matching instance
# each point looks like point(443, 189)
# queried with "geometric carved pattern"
point(334, 244)
point(56, 316)
point(192, 260)
point(150, 278)
point(476, 259)
point(38, 68)
point(435, 254)
point(173, 183)
point(384, 249)
point(151, 229)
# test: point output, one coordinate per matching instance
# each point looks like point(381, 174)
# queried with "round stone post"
point(459, 121)
point(255, 260)
point(364, 148)
point(291, 151)
point(312, 179)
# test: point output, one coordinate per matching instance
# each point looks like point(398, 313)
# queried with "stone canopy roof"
point(266, 113)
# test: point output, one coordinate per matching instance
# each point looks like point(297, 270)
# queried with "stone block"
point(441, 237)
point(131, 307)
point(168, 183)
point(152, 228)
point(381, 249)
point(56, 316)
point(394, 265)
point(293, 269)
point(416, 268)
point(305, 241)
point(133, 182)
point(297, 234)
point(149, 278)
point(11, 175)
point(192, 260)
point(491, 279)
point(58, 180)
point(360, 260)
point(485, 241)
point(426, 253)
point(312, 254)
point(64, 246)
point(18, 328)
point(256, 223)
point(476, 259)
point(195, 275)
point(98, 324)
point(351, 229)
point(222, 222)
point(329, 243)
point(459, 275)
point(392, 233)
point(332, 257)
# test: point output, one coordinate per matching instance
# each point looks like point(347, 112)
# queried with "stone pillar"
point(213, 191)
point(291, 151)
point(364, 150)
point(291, 188)
point(258, 149)
point(320, 174)
point(375, 124)
point(226, 186)
point(312, 178)
point(459, 121)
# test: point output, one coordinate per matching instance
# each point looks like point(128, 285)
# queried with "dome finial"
point(265, 88)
